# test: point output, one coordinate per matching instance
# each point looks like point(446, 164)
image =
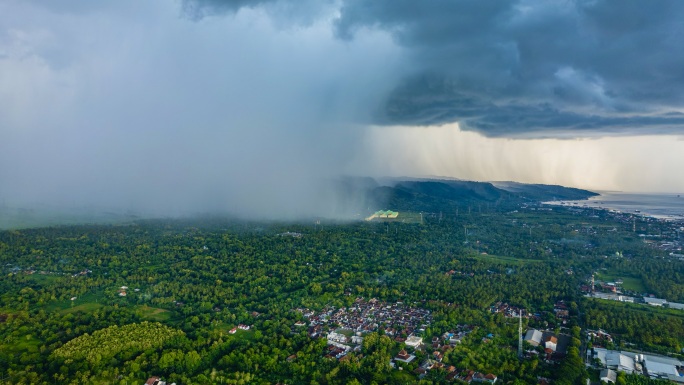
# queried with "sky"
point(173, 107)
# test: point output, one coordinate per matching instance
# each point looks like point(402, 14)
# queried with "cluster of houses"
point(555, 345)
point(653, 366)
point(365, 316)
point(454, 337)
point(240, 327)
point(467, 376)
point(562, 311)
point(81, 273)
point(337, 351)
point(123, 291)
point(507, 310)
point(440, 346)
point(339, 344)
point(599, 337)
point(455, 272)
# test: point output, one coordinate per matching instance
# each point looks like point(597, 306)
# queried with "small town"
point(366, 316)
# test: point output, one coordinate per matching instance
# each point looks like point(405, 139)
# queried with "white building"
point(551, 343)
point(337, 337)
point(655, 301)
point(414, 341)
point(533, 337)
point(662, 367)
point(613, 359)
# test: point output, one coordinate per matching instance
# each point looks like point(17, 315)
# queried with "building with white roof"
point(413, 341)
point(662, 367)
point(655, 301)
point(613, 359)
point(533, 337)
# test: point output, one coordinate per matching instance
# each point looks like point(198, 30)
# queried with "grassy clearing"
point(87, 302)
point(247, 335)
point(628, 282)
point(84, 307)
point(47, 279)
point(26, 343)
point(154, 313)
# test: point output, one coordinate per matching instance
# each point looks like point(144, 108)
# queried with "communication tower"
point(520, 337)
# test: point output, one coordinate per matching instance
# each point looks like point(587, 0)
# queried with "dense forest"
point(116, 304)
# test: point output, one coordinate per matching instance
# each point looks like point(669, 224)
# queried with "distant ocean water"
point(666, 206)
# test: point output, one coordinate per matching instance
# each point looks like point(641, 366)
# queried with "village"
point(365, 316)
point(344, 328)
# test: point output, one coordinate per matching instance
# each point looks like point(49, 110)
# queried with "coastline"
point(661, 206)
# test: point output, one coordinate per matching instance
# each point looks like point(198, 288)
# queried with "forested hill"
point(544, 192)
point(437, 195)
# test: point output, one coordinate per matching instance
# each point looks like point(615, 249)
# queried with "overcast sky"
point(179, 106)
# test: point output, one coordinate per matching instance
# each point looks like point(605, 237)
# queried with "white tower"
point(520, 337)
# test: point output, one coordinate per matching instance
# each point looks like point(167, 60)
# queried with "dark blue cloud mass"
point(519, 68)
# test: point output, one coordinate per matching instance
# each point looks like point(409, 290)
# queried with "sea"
point(658, 205)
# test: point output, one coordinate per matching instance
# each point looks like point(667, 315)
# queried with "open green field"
point(21, 344)
point(84, 307)
point(154, 313)
point(628, 282)
point(247, 335)
point(47, 279)
point(86, 302)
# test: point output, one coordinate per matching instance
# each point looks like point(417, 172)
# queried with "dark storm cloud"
point(518, 68)
point(523, 67)
point(434, 100)
point(245, 106)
